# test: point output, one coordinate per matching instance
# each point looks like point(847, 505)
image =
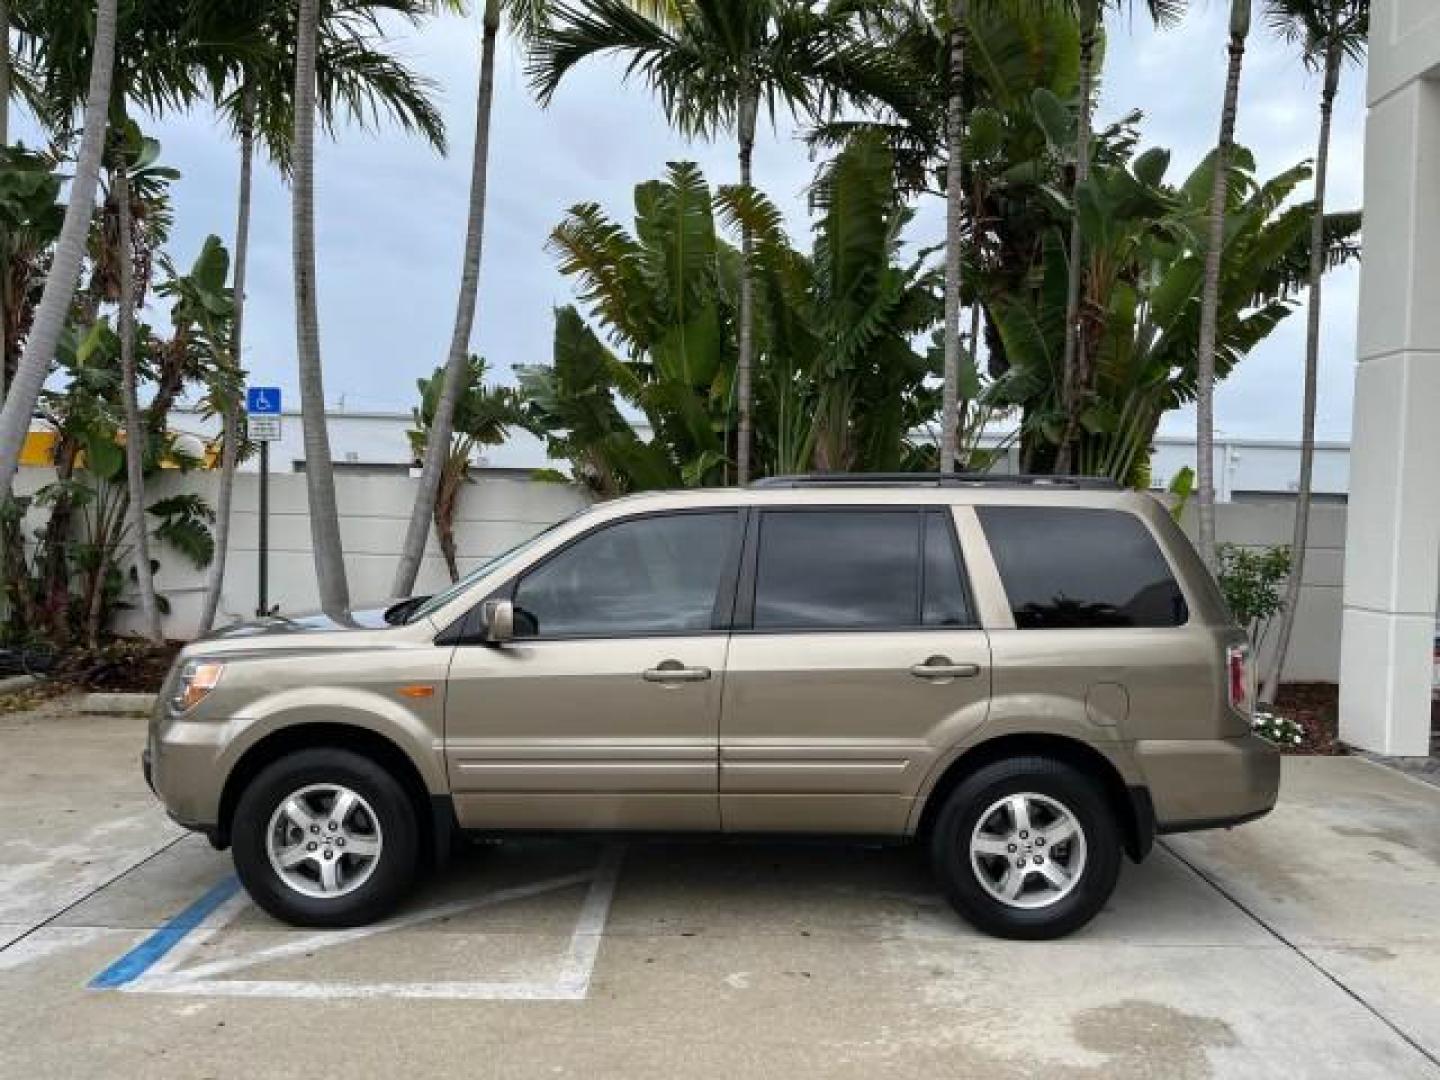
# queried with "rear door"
point(603, 712)
point(855, 659)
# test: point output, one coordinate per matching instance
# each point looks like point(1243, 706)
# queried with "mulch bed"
point(1316, 708)
point(121, 665)
point(125, 665)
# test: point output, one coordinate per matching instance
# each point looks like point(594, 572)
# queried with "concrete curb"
point(117, 704)
point(17, 682)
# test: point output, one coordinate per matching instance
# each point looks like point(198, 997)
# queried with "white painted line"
point(590, 927)
point(328, 939)
point(572, 982)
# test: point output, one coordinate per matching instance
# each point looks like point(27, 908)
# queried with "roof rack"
point(914, 479)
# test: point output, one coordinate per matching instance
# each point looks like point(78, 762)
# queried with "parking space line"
point(328, 939)
point(140, 959)
point(1413, 1042)
point(590, 927)
point(155, 966)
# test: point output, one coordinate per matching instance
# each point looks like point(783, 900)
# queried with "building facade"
point(1392, 547)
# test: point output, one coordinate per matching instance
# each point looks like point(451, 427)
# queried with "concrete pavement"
point(1304, 944)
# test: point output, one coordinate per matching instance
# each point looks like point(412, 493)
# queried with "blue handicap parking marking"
point(141, 958)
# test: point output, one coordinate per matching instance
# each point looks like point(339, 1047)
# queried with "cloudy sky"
point(391, 212)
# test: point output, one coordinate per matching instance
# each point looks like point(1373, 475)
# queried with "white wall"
point(1315, 644)
point(495, 514)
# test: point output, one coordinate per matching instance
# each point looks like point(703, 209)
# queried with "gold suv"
point(1027, 676)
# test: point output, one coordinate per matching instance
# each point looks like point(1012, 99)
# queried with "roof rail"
point(923, 479)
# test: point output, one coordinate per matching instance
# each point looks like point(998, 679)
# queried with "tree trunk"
point(749, 110)
point(4, 142)
point(437, 447)
point(230, 446)
point(136, 436)
point(319, 471)
point(69, 251)
point(966, 449)
point(1073, 386)
point(54, 568)
point(1301, 536)
point(446, 498)
point(954, 194)
point(1210, 301)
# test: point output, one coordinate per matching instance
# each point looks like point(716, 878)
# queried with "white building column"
point(1392, 547)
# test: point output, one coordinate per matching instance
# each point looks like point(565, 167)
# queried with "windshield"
point(489, 566)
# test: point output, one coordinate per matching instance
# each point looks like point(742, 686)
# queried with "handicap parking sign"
point(262, 400)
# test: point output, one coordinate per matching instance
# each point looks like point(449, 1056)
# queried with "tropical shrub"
point(1252, 581)
point(845, 366)
point(483, 417)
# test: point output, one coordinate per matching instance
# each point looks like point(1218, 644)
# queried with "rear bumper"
point(1209, 783)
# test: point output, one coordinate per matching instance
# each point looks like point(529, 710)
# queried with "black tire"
point(394, 869)
point(974, 796)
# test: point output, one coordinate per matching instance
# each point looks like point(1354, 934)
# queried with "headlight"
point(197, 679)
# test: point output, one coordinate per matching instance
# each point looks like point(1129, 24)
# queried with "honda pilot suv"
point(1029, 678)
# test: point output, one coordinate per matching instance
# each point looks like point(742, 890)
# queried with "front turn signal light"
point(197, 679)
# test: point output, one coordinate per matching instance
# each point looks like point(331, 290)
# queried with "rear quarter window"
point(1064, 568)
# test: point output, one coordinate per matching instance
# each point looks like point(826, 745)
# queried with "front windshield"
point(489, 566)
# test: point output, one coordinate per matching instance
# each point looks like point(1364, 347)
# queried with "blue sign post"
point(263, 402)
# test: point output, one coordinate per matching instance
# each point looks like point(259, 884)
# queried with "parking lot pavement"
point(1305, 944)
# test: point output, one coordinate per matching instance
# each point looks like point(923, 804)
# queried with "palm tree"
point(1210, 297)
point(954, 228)
point(161, 54)
point(435, 466)
point(135, 435)
point(230, 407)
point(1075, 367)
point(4, 142)
point(157, 66)
point(64, 273)
point(1329, 32)
point(319, 471)
point(354, 79)
point(715, 64)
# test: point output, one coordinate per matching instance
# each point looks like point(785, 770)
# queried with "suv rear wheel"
point(1027, 848)
point(325, 837)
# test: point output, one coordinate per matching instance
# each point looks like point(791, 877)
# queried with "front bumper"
point(183, 767)
point(1209, 783)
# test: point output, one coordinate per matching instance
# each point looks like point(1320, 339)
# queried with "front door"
point(603, 712)
point(856, 659)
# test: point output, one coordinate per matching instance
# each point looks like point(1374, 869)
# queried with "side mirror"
point(498, 617)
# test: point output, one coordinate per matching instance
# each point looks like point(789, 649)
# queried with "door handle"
point(940, 667)
point(672, 671)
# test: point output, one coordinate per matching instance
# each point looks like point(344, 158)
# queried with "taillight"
point(1241, 682)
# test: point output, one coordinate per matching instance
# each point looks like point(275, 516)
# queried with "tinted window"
point(655, 575)
point(837, 570)
point(1069, 568)
point(944, 602)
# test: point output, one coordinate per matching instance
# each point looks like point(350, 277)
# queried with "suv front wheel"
point(325, 837)
point(1027, 848)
